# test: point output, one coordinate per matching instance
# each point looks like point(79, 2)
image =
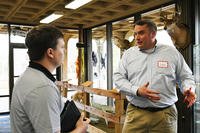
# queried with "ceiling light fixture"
point(51, 17)
point(76, 4)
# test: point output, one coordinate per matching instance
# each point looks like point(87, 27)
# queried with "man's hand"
point(150, 94)
point(190, 97)
point(81, 125)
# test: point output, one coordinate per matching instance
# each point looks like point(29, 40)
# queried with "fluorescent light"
point(51, 17)
point(76, 4)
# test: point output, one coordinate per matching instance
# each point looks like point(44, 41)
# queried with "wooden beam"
point(45, 9)
point(15, 8)
point(87, 83)
point(109, 116)
point(97, 91)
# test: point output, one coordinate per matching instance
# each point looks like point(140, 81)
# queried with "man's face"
point(145, 39)
point(59, 52)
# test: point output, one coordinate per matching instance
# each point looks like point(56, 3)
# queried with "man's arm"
point(186, 78)
point(121, 79)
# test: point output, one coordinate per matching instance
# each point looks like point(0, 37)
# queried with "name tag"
point(162, 64)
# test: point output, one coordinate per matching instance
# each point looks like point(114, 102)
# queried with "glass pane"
point(15, 79)
point(4, 79)
point(4, 104)
point(54, 72)
point(70, 94)
point(116, 59)
point(18, 33)
point(99, 53)
point(72, 54)
point(196, 58)
point(21, 61)
point(99, 63)
point(163, 37)
point(122, 39)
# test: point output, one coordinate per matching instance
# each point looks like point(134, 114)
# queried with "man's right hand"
point(150, 94)
point(81, 125)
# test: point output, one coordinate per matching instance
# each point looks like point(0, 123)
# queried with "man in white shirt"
point(148, 74)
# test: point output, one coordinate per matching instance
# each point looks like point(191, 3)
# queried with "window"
point(72, 54)
point(21, 61)
point(4, 69)
point(69, 63)
point(122, 39)
point(163, 38)
point(196, 61)
point(99, 62)
point(20, 56)
point(99, 57)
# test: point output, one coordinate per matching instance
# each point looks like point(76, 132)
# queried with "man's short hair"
point(150, 24)
point(39, 39)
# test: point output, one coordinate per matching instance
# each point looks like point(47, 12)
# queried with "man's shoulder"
point(130, 52)
point(131, 49)
point(166, 48)
point(34, 81)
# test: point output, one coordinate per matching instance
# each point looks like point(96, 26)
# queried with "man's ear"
point(153, 34)
point(50, 52)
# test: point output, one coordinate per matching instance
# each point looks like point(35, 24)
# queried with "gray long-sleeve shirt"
point(162, 67)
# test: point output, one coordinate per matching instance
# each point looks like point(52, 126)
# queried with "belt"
point(151, 109)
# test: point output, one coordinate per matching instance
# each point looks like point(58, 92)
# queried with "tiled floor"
point(4, 124)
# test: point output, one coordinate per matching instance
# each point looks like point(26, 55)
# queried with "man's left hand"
point(190, 97)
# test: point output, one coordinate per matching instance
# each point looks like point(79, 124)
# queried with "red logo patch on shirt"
point(162, 64)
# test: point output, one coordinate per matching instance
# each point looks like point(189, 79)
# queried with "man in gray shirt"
point(36, 101)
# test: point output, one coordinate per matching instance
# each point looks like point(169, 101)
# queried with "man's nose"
point(137, 37)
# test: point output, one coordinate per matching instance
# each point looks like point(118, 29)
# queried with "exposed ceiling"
point(92, 14)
